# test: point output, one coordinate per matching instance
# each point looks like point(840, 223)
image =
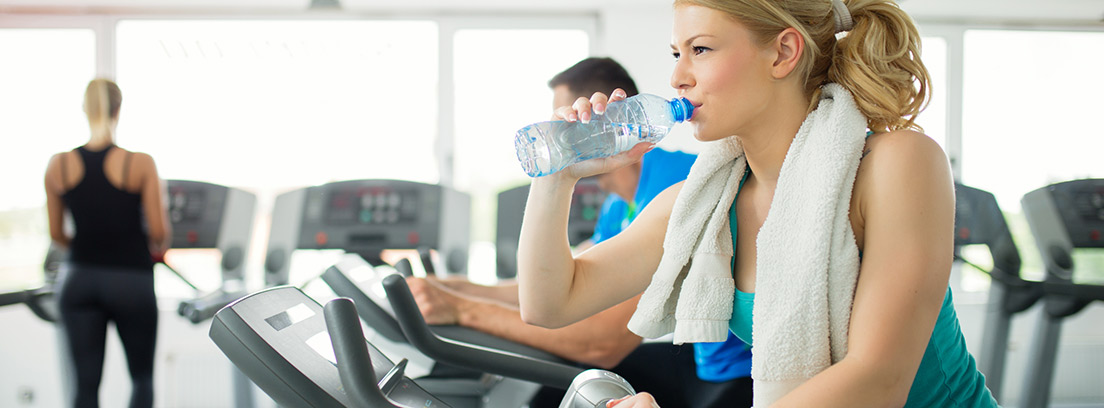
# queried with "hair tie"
point(841, 16)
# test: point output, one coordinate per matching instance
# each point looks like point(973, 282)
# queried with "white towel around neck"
point(807, 261)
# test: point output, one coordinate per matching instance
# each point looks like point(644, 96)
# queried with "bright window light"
point(1030, 104)
point(1027, 120)
point(499, 90)
point(42, 80)
point(272, 106)
point(279, 104)
point(934, 118)
point(501, 81)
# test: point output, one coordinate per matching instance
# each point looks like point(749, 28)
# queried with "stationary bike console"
point(278, 337)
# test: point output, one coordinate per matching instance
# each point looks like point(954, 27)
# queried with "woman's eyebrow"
point(690, 40)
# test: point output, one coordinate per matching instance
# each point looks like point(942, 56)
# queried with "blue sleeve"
point(661, 169)
point(609, 219)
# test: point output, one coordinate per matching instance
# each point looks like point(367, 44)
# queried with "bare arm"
point(505, 292)
point(55, 206)
point(556, 289)
point(154, 200)
point(907, 206)
point(602, 340)
point(562, 290)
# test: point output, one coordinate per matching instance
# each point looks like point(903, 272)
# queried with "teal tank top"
point(948, 375)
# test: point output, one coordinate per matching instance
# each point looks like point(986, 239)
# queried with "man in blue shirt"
point(708, 375)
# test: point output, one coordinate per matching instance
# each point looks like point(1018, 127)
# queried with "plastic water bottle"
point(544, 148)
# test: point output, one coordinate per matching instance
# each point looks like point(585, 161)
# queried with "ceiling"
point(1082, 12)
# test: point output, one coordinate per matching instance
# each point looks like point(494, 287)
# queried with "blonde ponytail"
point(102, 101)
point(878, 60)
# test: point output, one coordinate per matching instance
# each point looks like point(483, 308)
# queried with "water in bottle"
point(544, 148)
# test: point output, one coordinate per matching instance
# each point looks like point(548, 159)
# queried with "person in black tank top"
point(107, 219)
point(115, 200)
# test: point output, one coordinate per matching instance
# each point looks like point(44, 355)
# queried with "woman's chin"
point(703, 136)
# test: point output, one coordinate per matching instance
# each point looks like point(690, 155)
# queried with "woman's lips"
point(695, 112)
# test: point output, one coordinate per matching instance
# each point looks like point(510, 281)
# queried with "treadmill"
point(211, 216)
point(979, 221)
point(40, 300)
point(1064, 217)
point(366, 217)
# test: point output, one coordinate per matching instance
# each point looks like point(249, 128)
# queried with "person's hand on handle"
point(641, 400)
point(582, 111)
point(437, 304)
point(158, 256)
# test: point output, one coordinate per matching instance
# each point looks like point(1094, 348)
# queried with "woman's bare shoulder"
point(898, 163)
point(54, 169)
point(899, 153)
point(139, 161)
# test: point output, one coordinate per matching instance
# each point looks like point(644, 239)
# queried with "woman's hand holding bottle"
point(583, 110)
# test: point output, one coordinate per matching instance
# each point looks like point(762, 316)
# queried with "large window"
point(293, 103)
point(501, 81)
point(934, 118)
point(42, 80)
point(270, 106)
point(1030, 103)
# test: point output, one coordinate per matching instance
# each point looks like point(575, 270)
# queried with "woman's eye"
point(696, 50)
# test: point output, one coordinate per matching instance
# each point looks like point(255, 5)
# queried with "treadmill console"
point(586, 204)
point(979, 221)
point(367, 216)
point(1064, 217)
point(205, 215)
point(1081, 207)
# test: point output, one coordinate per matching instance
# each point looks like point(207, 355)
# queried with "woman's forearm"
point(851, 383)
point(545, 264)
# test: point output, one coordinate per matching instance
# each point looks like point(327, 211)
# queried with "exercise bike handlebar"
point(468, 355)
point(354, 364)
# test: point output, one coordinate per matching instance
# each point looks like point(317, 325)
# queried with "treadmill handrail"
point(33, 298)
point(200, 309)
point(467, 355)
point(354, 364)
point(16, 297)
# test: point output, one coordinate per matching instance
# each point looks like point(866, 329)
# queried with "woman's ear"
point(789, 45)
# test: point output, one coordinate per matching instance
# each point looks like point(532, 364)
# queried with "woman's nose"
point(680, 76)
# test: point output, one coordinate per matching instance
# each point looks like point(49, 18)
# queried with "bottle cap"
point(681, 109)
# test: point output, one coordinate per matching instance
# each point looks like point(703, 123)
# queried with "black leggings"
point(89, 298)
point(668, 372)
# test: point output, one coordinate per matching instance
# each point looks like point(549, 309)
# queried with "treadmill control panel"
point(212, 216)
point(195, 211)
point(586, 204)
point(368, 216)
point(1081, 205)
point(365, 217)
point(364, 205)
